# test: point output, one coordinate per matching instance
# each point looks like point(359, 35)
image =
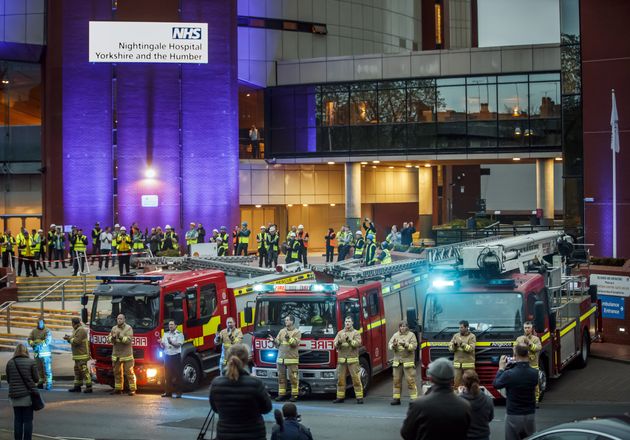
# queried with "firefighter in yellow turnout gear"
point(404, 344)
point(347, 343)
point(288, 341)
point(122, 356)
point(463, 346)
point(533, 343)
point(80, 345)
point(227, 337)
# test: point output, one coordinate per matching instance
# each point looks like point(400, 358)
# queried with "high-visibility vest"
point(138, 241)
point(261, 237)
point(123, 243)
point(225, 237)
point(24, 245)
point(272, 242)
point(370, 255)
point(243, 236)
point(295, 250)
point(192, 237)
point(80, 243)
point(36, 244)
point(359, 247)
point(388, 257)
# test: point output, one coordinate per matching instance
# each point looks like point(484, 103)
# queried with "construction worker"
point(225, 239)
point(261, 239)
point(25, 254)
point(80, 345)
point(170, 240)
point(36, 247)
point(59, 245)
point(227, 337)
point(192, 237)
point(370, 250)
point(138, 241)
point(122, 243)
point(79, 246)
point(7, 242)
point(287, 342)
point(347, 343)
point(293, 249)
point(533, 343)
point(272, 245)
point(96, 241)
point(385, 257)
point(41, 251)
point(40, 339)
point(243, 239)
point(463, 346)
point(343, 244)
point(221, 248)
point(122, 356)
point(404, 343)
point(50, 239)
point(369, 227)
point(201, 233)
point(294, 230)
point(359, 246)
point(302, 238)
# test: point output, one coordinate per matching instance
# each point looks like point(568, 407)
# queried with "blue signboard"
point(613, 307)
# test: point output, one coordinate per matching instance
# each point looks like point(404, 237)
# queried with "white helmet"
point(117, 225)
point(167, 227)
point(215, 230)
point(292, 234)
point(301, 227)
point(122, 228)
point(358, 233)
point(263, 227)
point(53, 226)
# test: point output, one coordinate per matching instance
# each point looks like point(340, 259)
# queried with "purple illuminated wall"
point(153, 101)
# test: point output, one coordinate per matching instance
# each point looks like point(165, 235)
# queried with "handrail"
point(50, 289)
point(7, 306)
point(492, 225)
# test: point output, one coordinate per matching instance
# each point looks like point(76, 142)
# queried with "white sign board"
point(149, 201)
point(203, 250)
point(147, 42)
point(611, 285)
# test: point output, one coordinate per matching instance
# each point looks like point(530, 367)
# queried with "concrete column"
point(353, 195)
point(425, 202)
point(549, 209)
point(540, 178)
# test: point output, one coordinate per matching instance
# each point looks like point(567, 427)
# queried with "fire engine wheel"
point(365, 373)
point(191, 373)
point(582, 359)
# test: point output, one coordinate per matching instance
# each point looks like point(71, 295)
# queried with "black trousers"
point(272, 259)
point(29, 262)
point(23, 422)
point(303, 255)
point(5, 258)
point(343, 252)
point(51, 254)
point(123, 262)
point(59, 257)
point(330, 254)
point(173, 374)
point(262, 257)
point(241, 247)
point(76, 261)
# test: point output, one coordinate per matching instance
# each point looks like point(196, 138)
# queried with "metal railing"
point(451, 236)
point(50, 289)
point(6, 306)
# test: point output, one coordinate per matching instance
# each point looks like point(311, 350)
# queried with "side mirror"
point(539, 316)
point(592, 291)
point(412, 318)
point(84, 315)
point(248, 315)
point(84, 300)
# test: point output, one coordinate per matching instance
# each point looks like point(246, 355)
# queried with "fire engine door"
point(373, 325)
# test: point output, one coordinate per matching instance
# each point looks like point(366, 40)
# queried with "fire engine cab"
point(499, 284)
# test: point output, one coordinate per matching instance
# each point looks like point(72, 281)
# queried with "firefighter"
point(370, 251)
point(122, 356)
point(403, 343)
point(293, 249)
point(192, 237)
point(242, 238)
point(463, 346)
point(385, 257)
point(287, 342)
point(533, 343)
point(122, 243)
point(79, 247)
point(225, 239)
point(25, 254)
point(272, 244)
point(347, 343)
point(261, 239)
point(40, 339)
point(227, 337)
point(80, 345)
point(359, 246)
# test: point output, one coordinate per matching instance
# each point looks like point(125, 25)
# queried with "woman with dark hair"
point(239, 399)
point(330, 245)
point(22, 377)
point(288, 426)
point(481, 405)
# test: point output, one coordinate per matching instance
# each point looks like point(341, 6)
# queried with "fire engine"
point(198, 294)
point(319, 309)
point(497, 284)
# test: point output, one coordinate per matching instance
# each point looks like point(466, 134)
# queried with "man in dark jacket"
point(439, 413)
point(406, 234)
point(519, 381)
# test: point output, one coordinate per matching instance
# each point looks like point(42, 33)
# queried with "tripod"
point(207, 424)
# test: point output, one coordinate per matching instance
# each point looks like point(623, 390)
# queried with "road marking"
point(54, 438)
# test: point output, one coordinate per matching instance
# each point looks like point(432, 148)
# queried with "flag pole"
point(614, 146)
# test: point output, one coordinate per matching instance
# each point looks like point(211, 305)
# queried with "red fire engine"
point(497, 286)
point(199, 301)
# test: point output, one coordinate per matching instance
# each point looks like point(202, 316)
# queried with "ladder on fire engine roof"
point(351, 270)
point(451, 253)
point(236, 265)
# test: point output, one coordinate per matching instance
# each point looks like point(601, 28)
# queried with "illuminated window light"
point(150, 173)
point(427, 165)
point(408, 165)
point(558, 159)
point(390, 167)
point(438, 24)
point(376, 161)
point(258, 206)
point(304, 204)
point(332, 204)
point(417, 166)
point(516, 159)
point(331, 163)
point(289, 205)
point(364, 163)
point(373, 166)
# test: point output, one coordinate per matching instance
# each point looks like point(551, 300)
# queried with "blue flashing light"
point(506, 283)
point(441, 283)
point(269, 356)
point(160, 354)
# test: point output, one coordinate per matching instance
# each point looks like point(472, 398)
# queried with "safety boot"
point(395, 402)
point(75, 389)
point(88, 389)
point(338, 400)
point(281, 398)
point(293, 399)
point(359, 401)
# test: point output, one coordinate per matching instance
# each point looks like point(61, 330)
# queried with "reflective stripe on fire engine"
point(208, 329)
point(568, 328)
point(391, 289)
point(478, 344)
point(375, 324)
point(288, 280)
point(544, 337)
point(587, 314)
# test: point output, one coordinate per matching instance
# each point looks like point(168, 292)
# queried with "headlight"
point(328, 375)
point(151, 373)
point(269, 356)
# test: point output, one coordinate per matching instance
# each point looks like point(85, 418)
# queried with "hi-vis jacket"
point(287, 342)
point(40, 340)
point(463, 347)
point(404, 351)
point(347, 343)
point(227, 338)
point(79, 344)
point(534, 345)
point(121, 337)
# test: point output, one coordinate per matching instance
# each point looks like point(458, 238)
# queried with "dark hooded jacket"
point(482, 409)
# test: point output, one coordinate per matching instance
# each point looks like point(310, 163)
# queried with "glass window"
point(514, 133)
point(372, 302)
point(570, 60)
point(208, 300)
point(512, 78)
point(450, 81)
point(191, 302)
point(544, 100)
point(421, 104)
point(422, 136)
point(512, 101)
point(451, 104)
point(351, 308)
point(482, 102)
point(334, 138)
point(392, 104)
point(312, 317)
point(544, 77)
point(569, 21)
point(334, 105)
point(481, 80)
point(545, 132)
point(363, 105)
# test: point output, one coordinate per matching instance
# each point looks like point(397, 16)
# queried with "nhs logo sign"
point(186, 33)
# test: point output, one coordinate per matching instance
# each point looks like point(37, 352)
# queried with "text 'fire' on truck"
point(497, 286)
point(186, 290)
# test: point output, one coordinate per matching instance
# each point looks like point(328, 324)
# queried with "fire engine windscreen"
point(487, 313)
point(141, 311)
point(312, 317)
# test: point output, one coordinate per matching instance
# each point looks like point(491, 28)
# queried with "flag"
point(614, 125)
